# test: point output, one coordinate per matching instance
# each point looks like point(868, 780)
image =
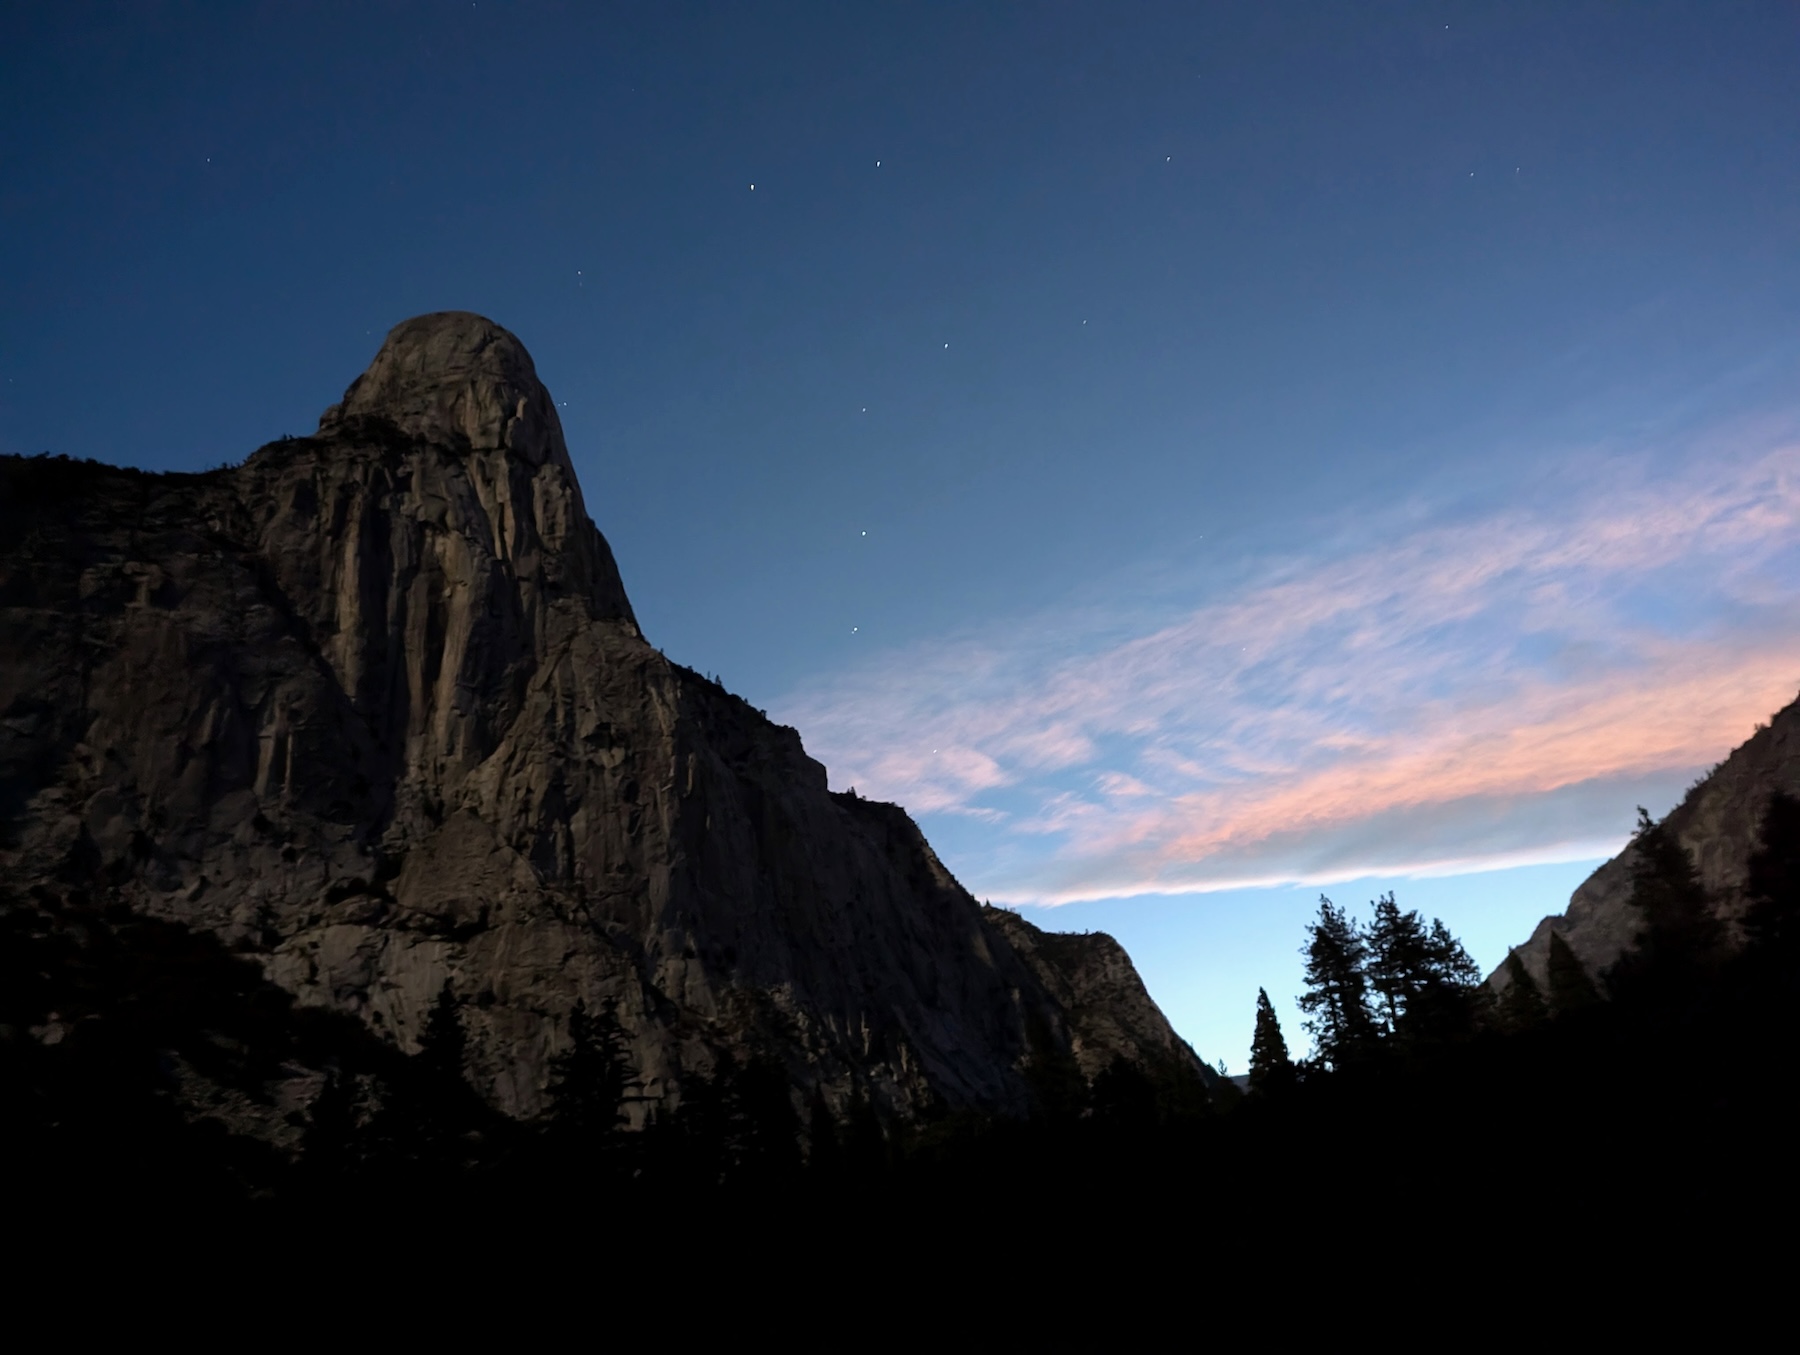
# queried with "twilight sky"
point(1191, 455)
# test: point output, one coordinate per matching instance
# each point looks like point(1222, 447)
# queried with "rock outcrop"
point(373, 709)
point(1717, 823)
point(1109, 1013)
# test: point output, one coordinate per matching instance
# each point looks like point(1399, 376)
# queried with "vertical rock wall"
point(374, 709)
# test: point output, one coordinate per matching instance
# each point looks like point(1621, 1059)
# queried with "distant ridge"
point(1717, 822)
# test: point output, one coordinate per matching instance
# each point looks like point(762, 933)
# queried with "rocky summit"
point(372, 710)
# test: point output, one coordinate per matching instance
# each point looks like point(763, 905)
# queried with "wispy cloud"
point(1446, 691)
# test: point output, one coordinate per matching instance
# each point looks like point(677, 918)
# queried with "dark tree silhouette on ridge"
point(1680, 941)
point(1772, 886)
point(1522, 1004)
point(1571, 988)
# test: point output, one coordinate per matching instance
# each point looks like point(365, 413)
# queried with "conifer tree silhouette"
point(328, 1145)
point(443, 1045)
point(1427, 984)
point(738, 1126)
point(1522, 1005)
point(1125, 1098)
point(427, 1107)
point(1400, 959)
point(1571, 989)
point(1270, 1066)
point(1337, 987)
point(1679, 943)
point(1772, 886)
point(1058, 1090)
point(1451, 1002)
point(593, 1079)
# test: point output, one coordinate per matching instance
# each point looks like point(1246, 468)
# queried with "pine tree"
point(1059, 1092)
point(443, 1046)
point(328, 1145)
point(1447, 963)
point(593, 1077)
point(1400, 962)
point(1571, 990)
point(700, 1131)
point(738, 1126)
point(1680, 940)
point(1773, 884)
point(1270, 1066)
point(1451, 1001)
point(1428, 987)
point(1522, 1004)
point(429, 1107)
point(1124, 1097)
point(1337, 989)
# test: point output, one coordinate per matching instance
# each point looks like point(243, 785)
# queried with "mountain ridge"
point(373, 709)
point(1718, 823)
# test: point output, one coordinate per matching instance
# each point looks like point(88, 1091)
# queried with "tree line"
point(1394, 985)
point(1409, 1049)
point(1398, 986)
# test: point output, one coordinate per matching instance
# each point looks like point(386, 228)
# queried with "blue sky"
point(1261, 449)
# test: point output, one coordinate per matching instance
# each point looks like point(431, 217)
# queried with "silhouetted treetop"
point(1337, 988)
point(1270, 1066)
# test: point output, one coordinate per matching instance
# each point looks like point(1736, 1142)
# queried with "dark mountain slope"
point(1718, 824)
point(373, 711)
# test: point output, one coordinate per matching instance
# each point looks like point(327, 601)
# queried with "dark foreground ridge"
point(315, 768)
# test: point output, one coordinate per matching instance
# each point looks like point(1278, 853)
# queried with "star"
point(946, 345)
point(853, 630)
point(752, 188)
point(865, 533)
point(878, 164)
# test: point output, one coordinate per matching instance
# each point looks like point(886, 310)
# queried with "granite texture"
point(373, 709)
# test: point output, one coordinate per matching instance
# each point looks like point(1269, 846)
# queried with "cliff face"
point(1108, 1011)
point(373, 709)
point(1718, 823)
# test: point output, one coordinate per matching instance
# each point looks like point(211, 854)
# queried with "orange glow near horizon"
point(1388, 706)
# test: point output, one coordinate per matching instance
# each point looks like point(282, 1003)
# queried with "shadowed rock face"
point(1717, 823)
point(373, 708)
point(1108, 1011)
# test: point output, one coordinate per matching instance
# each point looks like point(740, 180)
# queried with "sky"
point(1195, 457)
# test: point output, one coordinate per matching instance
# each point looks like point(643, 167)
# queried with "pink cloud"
point(1404, 703)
